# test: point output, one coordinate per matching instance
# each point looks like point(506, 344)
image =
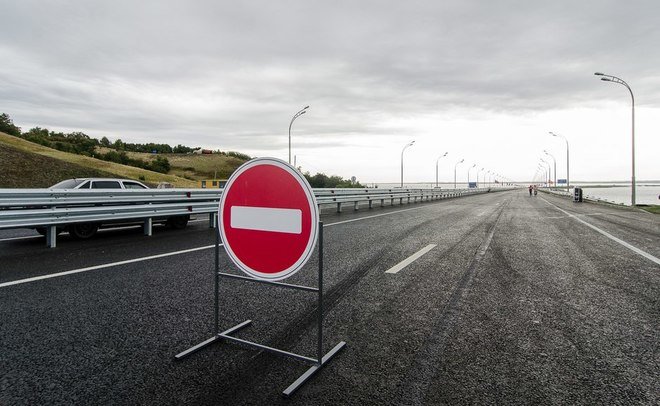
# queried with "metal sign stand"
point(317, 363)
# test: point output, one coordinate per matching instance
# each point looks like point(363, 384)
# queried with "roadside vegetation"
point(652, 208)
point(179, 161)
point(21, 165)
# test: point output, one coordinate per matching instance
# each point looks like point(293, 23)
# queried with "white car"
point(87, 230)
point(99, 183)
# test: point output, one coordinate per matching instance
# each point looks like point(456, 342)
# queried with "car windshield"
point(68, 184)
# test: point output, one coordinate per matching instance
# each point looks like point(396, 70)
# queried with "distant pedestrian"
point(530, 190)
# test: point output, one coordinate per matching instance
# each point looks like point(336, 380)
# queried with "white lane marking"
point(175, 253)
point(21, 238)
point(396, 268)
point(608, 235)
point(374, 216)
point(92, 268)
point(266, 219)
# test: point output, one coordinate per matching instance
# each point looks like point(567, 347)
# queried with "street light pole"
point(459, 162)
point(478, 172)
point(469, 169)
point(554, 161)
point(568, 180)
point(436, 168)
point(295, 116)
point(549, 170)
point(404, 148)
point(614, 79)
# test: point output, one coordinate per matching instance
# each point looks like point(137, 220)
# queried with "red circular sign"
point(268, 219)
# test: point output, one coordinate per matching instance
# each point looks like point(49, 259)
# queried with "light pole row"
point(304, 110)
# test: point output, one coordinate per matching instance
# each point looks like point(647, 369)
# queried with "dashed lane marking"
point(396, 268)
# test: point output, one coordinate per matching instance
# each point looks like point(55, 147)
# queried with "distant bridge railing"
point(50, 209)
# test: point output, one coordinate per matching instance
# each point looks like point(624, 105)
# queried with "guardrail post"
point(51, 236)
point(147, 227)
point(382, 202)
point(355, 205)
point(371, 203)
point(213, 220)
point(338, 207)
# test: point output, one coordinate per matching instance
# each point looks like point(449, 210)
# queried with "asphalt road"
point(518, 302)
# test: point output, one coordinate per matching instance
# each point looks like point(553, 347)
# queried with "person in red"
point(530, 190)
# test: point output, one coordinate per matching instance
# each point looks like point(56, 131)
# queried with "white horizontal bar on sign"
point(266, 219)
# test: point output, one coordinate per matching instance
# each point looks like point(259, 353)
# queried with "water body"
point(645, 193)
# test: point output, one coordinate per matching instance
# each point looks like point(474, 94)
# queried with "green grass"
point(27, 165)
point(653, 208)
point(192, 166)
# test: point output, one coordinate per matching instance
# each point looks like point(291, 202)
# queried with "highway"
point(510, 299)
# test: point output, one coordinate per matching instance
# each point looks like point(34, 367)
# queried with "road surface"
point(504, 298)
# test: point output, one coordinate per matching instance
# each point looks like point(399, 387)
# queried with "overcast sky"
point(481, 80)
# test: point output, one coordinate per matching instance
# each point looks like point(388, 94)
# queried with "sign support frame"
point(317, 363)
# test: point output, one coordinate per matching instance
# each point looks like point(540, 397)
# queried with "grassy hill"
point(24, 164)
point(191, 166)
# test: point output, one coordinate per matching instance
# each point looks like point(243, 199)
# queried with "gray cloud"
point(232, 73)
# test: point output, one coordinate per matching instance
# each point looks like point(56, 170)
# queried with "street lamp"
point(490, 177)
point(554, 161)
point(614, 79)
point(404, 148)
point(459, 162)
point(549, 170)
point(295, 116)
point(436, 168)
point(546, 172)
point(469, 169)
point(478, 172)
point(568, 182)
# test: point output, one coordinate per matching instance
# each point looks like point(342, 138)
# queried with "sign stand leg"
point(321, 359)
point(318, 362)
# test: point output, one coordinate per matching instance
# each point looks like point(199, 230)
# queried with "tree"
point(105, 142)
point(7, 125)
point(118, 144)
point(160, 164)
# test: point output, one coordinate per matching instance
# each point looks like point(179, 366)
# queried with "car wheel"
point(178, 222)
point(83, 231)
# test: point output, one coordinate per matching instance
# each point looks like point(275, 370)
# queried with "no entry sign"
point(268, 219)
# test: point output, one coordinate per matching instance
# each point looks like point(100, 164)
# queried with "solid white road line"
point(21, 238)
point(374, 216)
point(396, 268)
point(608, 235)
point(92, 268)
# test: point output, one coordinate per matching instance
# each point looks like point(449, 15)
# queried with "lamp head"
point(606, 79)
point(599, 74)
point(305, 108)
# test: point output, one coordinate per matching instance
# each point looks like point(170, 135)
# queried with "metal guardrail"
point(48, 208)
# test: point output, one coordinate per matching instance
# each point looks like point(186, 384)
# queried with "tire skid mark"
point(295, 330)
point(423, 366)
